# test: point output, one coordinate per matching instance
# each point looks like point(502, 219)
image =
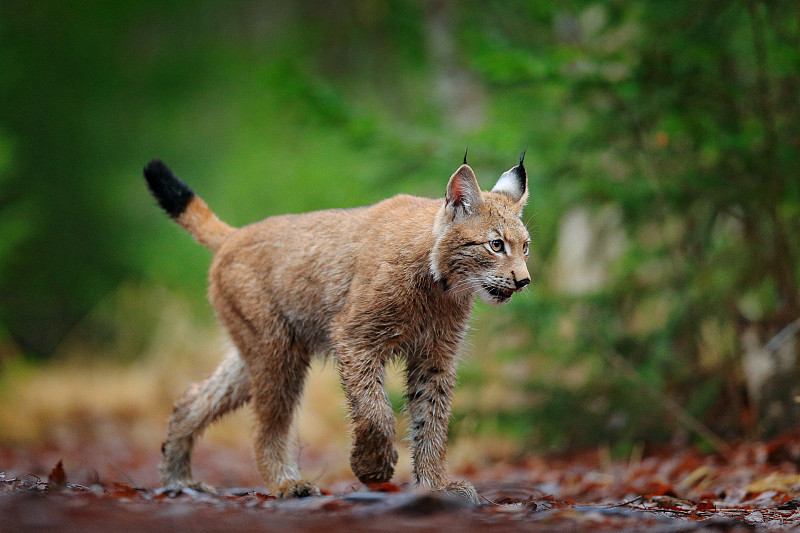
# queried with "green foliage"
point(676, 123)
point(685, 117)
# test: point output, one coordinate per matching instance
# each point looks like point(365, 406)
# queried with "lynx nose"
point(521, 282)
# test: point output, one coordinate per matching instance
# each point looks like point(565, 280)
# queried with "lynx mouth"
point(498, 293)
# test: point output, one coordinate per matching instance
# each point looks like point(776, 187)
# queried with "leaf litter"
point(756, 487)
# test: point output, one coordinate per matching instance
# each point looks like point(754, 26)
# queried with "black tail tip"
point(172, 194)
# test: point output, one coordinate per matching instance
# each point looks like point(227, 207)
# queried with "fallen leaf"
point(655, 488)
point(57, 480)
point(123, 490)
point(705, 505)
point(383, 487)
point(788, 483)
point(697, 478)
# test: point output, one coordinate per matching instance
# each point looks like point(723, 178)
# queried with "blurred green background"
point(662, 150)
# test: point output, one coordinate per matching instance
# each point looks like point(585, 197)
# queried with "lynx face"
point(482, 245)
point(505, 247)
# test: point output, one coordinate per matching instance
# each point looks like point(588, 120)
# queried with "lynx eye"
point(525, 248)
point(496, 245)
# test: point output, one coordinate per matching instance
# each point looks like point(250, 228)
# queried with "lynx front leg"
point(430, 383)
point(373, 456)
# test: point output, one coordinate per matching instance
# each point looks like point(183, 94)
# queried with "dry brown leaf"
point(697, 479)
point(788, 483)
point(57, 479)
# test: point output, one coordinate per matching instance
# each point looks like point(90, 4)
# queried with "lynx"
point(397, 279)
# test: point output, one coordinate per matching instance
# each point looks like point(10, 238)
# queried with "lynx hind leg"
point(279, 371)
point(225, 390)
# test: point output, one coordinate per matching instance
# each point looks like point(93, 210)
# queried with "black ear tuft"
point(172, 194)
point(465, 154)
point(514, 182)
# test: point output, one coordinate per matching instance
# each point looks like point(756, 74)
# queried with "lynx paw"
point(199, 486)
point(296, 488)
point(373, 464)
point(461, 490)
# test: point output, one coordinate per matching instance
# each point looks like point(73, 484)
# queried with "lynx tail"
point(184, 206)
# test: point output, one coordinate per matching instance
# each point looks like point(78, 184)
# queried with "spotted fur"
point(395, 279)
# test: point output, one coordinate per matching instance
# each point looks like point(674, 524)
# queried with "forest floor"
point(115, 488)
point(104, 425)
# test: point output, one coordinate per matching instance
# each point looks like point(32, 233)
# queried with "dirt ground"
point(88, 488)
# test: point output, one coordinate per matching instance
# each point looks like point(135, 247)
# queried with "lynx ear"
point(514, 183)
point(463, 192)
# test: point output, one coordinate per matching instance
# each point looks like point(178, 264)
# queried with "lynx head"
point(481, 243)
